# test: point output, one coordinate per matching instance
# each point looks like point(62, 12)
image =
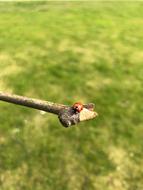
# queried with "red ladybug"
point(78, 107)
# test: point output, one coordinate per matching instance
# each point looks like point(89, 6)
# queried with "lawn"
point(66, 52)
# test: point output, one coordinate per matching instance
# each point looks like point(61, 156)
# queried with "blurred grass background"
point(67, 52)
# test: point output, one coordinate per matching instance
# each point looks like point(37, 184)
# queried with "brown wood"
point(66, 114)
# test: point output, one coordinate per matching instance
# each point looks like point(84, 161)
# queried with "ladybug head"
point(78, 107)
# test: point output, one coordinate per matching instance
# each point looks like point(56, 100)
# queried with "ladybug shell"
point(78, 107)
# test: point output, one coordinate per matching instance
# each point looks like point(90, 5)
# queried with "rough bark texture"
point(68, 117)
point(66, 114)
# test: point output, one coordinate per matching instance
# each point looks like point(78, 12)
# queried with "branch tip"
point(66, 114)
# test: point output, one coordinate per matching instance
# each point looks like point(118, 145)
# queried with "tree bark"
point(65, 113)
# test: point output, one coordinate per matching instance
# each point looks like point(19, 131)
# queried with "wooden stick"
point(31, 102)
point(66, 114)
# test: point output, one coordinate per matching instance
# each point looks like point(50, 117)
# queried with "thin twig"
point(31, 102)
point(65, 113)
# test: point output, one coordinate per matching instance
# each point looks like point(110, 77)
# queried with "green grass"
point(66, 52)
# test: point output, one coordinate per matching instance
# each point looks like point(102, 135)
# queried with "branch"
point(66, 114)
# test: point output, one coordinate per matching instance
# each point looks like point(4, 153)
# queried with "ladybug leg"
point(75, 110)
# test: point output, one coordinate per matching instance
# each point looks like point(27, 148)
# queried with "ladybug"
point(78, 107)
